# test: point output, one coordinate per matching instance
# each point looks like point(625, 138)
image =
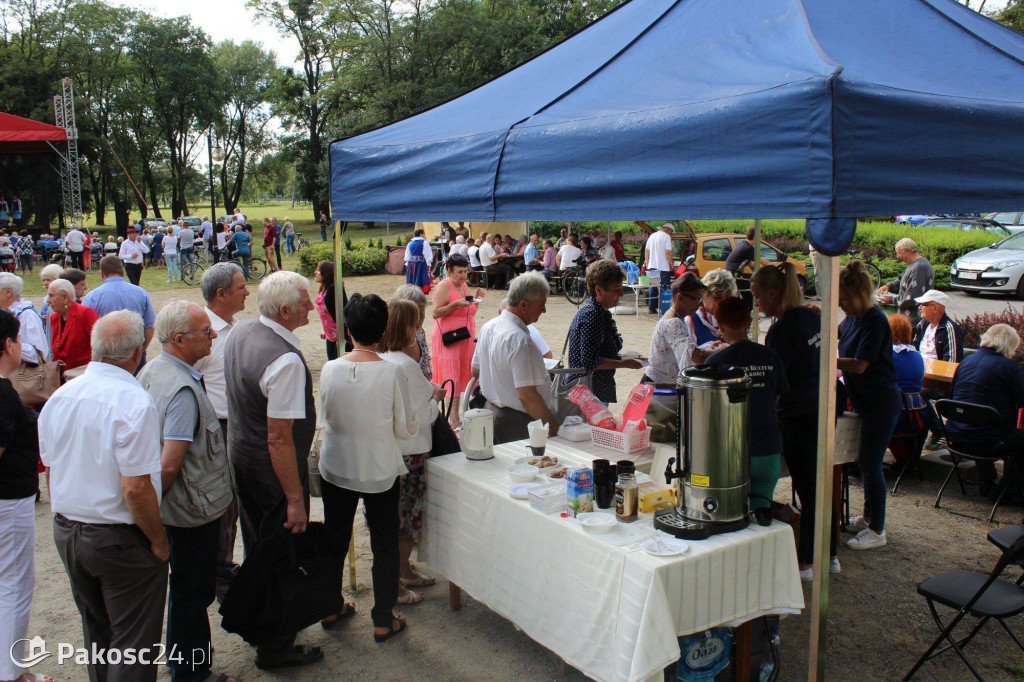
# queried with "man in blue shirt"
point(531, 256)
point(118, 294)
point(206, 229)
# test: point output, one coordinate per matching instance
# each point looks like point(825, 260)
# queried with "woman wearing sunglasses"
point(674, 344)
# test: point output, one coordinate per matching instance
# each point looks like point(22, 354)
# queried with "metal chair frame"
point(1012, 554)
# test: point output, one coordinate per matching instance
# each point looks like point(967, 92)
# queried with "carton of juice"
point(580, 490)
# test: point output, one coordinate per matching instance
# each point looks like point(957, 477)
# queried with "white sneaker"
point(867, 539)
point(807, 574)
point(856, 524)
point(834, 567)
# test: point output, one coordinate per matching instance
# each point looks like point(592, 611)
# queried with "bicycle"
point(574, 282)
point(873, 272)
point(300, 243)
point(257, 266)
point(191, 273)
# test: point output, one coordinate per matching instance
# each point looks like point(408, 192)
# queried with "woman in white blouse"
point(366, 413)
point(170, 249)
point(673, 345)
point(569, 253)
point(403, 320)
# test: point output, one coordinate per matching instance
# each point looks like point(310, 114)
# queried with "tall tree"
point(303, 100)
point(247, 73)
point(175, 58)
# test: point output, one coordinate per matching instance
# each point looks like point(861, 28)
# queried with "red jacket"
point(71, 342)
point(269, 235)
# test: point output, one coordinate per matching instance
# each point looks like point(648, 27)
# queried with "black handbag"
point(455, 335)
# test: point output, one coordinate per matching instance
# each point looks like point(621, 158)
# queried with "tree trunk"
point(150, 183)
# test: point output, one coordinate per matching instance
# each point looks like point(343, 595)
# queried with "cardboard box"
point(579, 490)
point(654, 497)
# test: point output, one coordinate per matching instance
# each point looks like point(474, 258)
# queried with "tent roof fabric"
point(711, 109)
point(24, 136)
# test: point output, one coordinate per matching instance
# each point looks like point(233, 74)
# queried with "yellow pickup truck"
point(703, 252)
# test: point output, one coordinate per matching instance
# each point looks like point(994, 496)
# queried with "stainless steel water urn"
point(712, 465)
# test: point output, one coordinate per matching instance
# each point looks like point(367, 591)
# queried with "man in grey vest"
point(271, 427)
point(196, 481)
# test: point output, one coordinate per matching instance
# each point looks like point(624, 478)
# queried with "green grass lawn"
point(153, 279)
point(302, 216)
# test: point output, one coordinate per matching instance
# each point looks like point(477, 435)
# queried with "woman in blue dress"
point(418, 257)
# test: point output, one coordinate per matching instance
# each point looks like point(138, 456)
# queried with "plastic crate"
point(626, 443)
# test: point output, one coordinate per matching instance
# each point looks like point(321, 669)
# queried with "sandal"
point(301, 654)
point(409, 598)
point(347, 611)
point(418, 581)
point(392, 632)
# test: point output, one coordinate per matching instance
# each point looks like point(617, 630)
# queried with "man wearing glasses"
point(195, 477)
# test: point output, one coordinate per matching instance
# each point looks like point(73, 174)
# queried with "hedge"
point(361, 260)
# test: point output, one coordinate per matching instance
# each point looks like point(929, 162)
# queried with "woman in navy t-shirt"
point(767, 383)
point(865, 358)
point(796, 338)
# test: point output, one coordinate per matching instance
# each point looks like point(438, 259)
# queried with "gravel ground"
point(877, 627)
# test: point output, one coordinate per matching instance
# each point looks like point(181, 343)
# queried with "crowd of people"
point(154, 464)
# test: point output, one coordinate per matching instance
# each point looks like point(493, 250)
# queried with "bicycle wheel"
point(874, 273)
point(575, 286)
point(257, 268)
point(191, 273)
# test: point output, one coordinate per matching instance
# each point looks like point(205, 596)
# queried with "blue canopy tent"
point(817, 109)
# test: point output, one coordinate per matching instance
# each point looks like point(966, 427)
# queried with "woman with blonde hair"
point(403, 320)
point(418, 351)
point(865, 358)
point(719, 285)
point(795, 336)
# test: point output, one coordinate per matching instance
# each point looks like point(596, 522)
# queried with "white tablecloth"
point(599, 602)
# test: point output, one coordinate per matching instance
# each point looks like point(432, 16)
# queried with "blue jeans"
point(290, 239)
point(654, 295)
point(173, 273)
point(323, 233)
point(193, 585)
point(875, 432)
point(186, 255)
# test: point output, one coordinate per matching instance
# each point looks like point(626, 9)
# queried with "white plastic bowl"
point(597, 522)
point(521, 473)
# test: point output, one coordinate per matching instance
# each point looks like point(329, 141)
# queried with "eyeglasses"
point(206, 332)
point(698, 299)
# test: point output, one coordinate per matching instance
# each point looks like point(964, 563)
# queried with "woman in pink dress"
point(454, 309)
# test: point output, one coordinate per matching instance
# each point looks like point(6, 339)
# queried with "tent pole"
point(755, 328)
point(829, 279)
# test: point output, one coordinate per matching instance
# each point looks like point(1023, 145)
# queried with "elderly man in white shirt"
point(100, 436)
point(658, 263)
point(133, 252)
point(510, 366)
point(34, 347)
point(272, 420)
point(498, 273)
point(74, 240)
point(224, 289)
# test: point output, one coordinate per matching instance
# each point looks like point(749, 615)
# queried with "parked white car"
point(996, 268)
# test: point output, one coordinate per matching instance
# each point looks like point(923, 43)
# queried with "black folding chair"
point(983, 596)
point(982, 417)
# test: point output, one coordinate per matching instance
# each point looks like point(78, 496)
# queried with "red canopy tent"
point(24, 136)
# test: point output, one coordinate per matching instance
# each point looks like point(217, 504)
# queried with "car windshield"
point(1014, 242)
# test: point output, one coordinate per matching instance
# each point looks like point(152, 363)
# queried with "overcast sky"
point(231, 19)
point(222, 20)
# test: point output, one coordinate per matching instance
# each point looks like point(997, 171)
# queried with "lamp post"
point(213, 197)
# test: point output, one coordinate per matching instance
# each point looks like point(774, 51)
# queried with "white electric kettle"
point(477, 438)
